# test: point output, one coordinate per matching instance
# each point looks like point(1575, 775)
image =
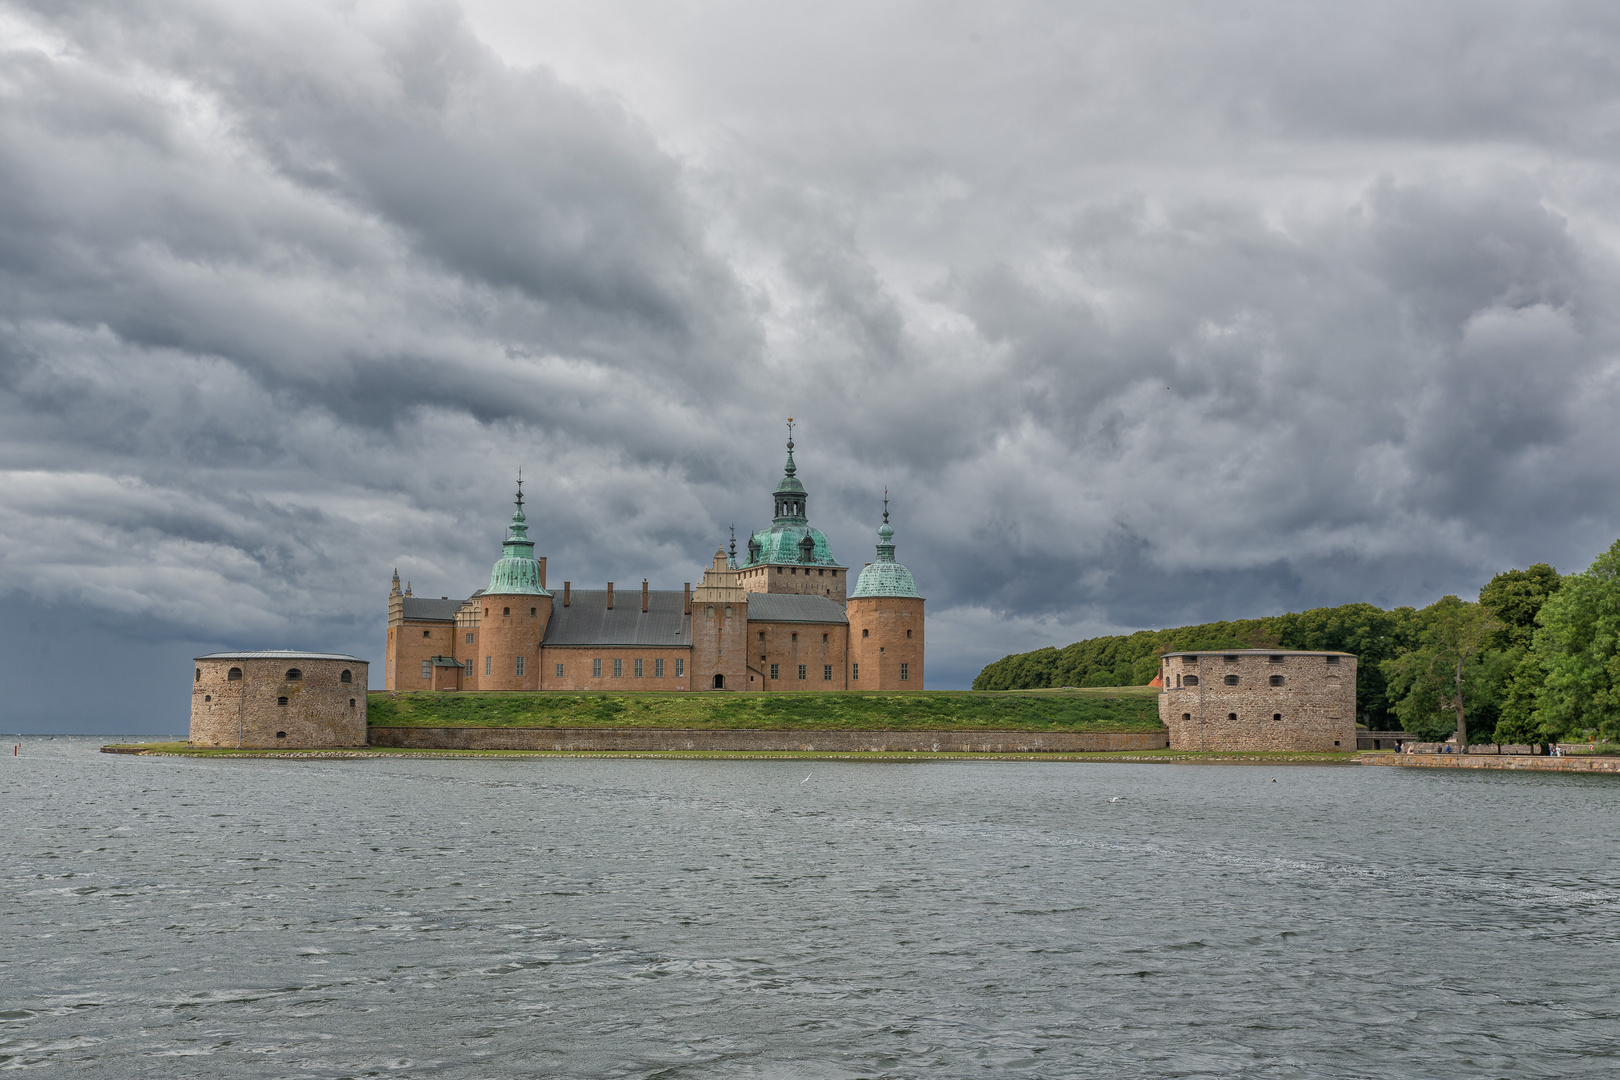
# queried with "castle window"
point(1186, 718)
point(778, 569)
point(1276, 717)
point(803, 670)
point(234, 675)
point(795, 635)
point(506, 611)
point(351, 703)
point(680, 668)
point(1189, 660)
point(1333, 659)
point(618, 668)
point(762, 635)
point(908, 633)
point(532, 612)
point(345, 676)
point(208, 697)
point(281, 701)
point(596, 669)
point(1230, 659)
point(281, 734)
point(559, 671)
point(793, 570)
point(855, 672)
point(821, 573)
point(776, 671)
point(1190, 680)
point(638, 668)
point(728, 611)
point(199, 675)
point(486, 613)
point(1276, 680)
point(520, 667)
point(905, 672)
point(1231, 680)
point(1231, 718)
point(469, 639)
point(1178, 680)
point(427, 669)
point(488, 662)
point(658, 669)
point(427, 633)
point(824, 637)
point(293, 674)
point(866, 633)
point(1278, 659)
point(826, 673)
point(708, 613)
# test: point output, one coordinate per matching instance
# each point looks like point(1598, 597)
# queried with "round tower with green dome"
point(885, 621)
point(791, 556)
point(515, 609)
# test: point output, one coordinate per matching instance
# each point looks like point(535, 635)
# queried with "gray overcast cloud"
point(1146, 313)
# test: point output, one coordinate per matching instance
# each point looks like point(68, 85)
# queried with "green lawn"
point(1108, 709)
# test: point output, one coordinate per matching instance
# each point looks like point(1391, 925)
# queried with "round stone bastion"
point(1259, 699)
point(278, 698)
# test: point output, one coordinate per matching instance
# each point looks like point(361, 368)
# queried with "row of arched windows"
point(293, 675)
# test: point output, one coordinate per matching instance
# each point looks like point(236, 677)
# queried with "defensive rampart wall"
point(633, 739)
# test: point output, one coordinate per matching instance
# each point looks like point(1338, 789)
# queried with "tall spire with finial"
point(732, 562)
point(517, 571)
point(790, 494)
point(885, 577)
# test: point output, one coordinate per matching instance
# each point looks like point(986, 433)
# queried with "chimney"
point(567, 585)
point(542, 571)
point(644, 595)
point(689, 598)
point(610, 596)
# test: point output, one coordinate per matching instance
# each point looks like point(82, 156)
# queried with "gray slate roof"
point(791, 607)
point(421, 609)
point(587, 621)
point(281, 654)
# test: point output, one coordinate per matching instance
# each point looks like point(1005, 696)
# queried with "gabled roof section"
point(421, 609)
point(587, 621)
point(794, 608)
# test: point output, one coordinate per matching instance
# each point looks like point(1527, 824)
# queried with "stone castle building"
point(782, 619)
point(276, 697)
point(1259, 699)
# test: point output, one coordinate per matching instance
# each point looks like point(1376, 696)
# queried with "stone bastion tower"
point(1259, 699)
point(885, 621)
point(278, 698)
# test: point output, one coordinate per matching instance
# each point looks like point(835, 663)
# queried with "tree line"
point(1535, 659)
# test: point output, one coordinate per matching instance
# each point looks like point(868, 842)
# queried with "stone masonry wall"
point(321, 709)
point(643, 739)
point(1313, 709)
point(578, 667)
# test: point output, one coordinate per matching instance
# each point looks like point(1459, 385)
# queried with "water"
point(584, 918)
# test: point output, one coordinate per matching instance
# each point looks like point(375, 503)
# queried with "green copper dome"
point(790, 539)
point(885, 577)
point(517, 570)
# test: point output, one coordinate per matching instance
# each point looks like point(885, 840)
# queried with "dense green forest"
point(1536, 657)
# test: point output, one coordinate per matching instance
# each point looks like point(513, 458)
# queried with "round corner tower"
point(513, 613)
point(278, 698)
point(885, 622)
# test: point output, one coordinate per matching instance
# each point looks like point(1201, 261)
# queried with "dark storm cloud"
point(1146, 313)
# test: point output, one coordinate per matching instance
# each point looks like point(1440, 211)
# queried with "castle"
point(780, 620)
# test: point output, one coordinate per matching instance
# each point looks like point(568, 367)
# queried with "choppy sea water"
point(622, 918)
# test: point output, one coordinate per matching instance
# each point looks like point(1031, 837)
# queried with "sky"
point(1144, 313)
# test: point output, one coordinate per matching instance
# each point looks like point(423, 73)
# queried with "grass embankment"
point(1110, 709)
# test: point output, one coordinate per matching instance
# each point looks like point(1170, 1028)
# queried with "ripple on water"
point(700, 919)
